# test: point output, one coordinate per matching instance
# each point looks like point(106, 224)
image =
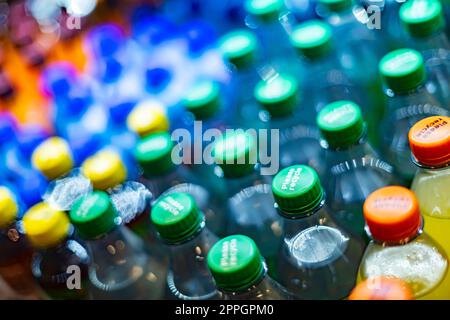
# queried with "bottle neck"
point(235, 185)
point(400, 242)
point(113, 248)
point(430, 45)
point(292, 224)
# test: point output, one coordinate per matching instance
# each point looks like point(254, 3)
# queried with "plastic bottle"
point(53, 158)
point(162, 176)
point(323, 80)
point(251, 211)
point(265, 18)
point(240, 272)
point(181, 226)
point(120, 268)
point(430, 145)
point(15, 252)
point(425, 22)
point(354, 168)
point(404, 75)
point(318, 259)
point(240, 49)
point(284, 111)
point(352, 27)
point(382, 288)
point(399, 247)
point(60, 263)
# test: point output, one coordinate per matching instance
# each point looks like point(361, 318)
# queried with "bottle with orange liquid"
point(430, 145)
point(399, 247)
point(382, 288)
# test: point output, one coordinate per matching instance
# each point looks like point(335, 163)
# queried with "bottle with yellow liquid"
point(399, 246)
point(430, 144)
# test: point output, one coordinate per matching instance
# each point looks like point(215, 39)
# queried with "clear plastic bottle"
point(240, 272)
point(61, 262)
point(318, 259)
point(382, 288)
point(162, 176)
point(53, 158)
point(264, 19)
point(240, 49)
point(181, 225)
point(399, 247)
point(354, 169)
point(284, 111)
point(15, 251)
point(324, 80)
point(120, 268)
point(358, 47)
point(403, 72)
point(251, 210)
point(424, 21)
point(430, 144)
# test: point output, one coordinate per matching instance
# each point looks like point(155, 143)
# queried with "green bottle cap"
point(235, 263)
point(239, 47)
point(154, 154)
point(176, 217)
point(336, 5)
point(422, 18)
point(278, 96)
point(93, 215)
point(235, 152)
point(402, 70)
point(297, 190)
point(341, 123)
point(203, 100)
point(265, 10)
point(313, 39)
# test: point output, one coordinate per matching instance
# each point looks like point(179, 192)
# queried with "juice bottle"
point(430, 145)
point(382, 288)
point(399, 247)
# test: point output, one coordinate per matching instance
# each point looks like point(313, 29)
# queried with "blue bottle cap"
point(119, 112)
point(200, 36)
point(8, 127)
point(31, 185)
point(105, 40)
point(29, 137)
point(112, 69)
point(58, 78)
point(156, 79)
point(153, 29)
point(84, 144)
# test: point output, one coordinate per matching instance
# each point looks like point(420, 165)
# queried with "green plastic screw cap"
point(422, 18)
point(93, 215)
point(154, 154)
point(265, 10)
point(239, 47)
point(336, 5)
point(402, 70)
point(235, 263)
point(297, 190)
point(236, 153)
point(176, 217)
point(278, 96)
point(341, 123)
point(203, 100)
point(313, 39)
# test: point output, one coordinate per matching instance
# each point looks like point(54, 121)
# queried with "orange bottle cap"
point(382, 288)
point(392, 214)
point(430, 140)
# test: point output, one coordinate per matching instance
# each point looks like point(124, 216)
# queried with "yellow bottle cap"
point(44, 226)
point(53, 158)
point(105, 169)
point(8, 207)
point(148, 118)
